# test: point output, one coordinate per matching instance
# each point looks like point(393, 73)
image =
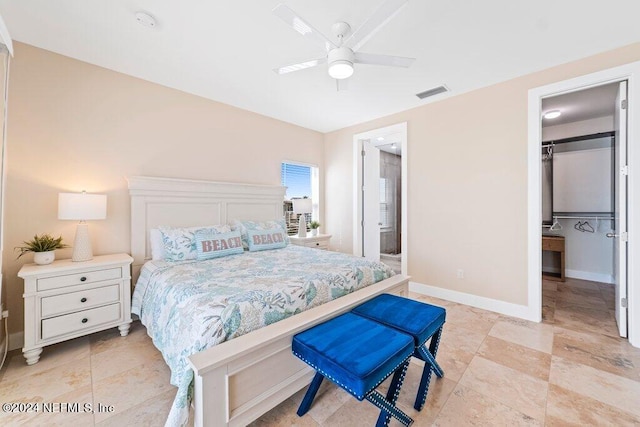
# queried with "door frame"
point(400, 128)
point(631, 73)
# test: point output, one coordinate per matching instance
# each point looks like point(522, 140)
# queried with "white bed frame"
point(241, 379)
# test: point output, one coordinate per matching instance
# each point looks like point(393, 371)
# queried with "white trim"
point(400, 128)
point(631, 73)
point(16, 340)
point(588, 275)
point(502, 307)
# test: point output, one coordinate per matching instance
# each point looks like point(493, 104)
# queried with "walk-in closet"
point(578, 205)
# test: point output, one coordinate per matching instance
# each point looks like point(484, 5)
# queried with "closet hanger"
point(556, 225)
point(587, 227)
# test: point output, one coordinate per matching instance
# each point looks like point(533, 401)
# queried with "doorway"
point(380, 199)
point(579, 278)
point(631, 304)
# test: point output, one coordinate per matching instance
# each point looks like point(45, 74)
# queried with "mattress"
point(189, 306)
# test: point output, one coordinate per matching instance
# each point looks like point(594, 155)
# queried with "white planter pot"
point(43, 258)
point(314, 231)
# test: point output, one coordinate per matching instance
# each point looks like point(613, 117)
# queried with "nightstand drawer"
point(81, 300)
point(318, 245)
point(75, 322)
point(78, 279)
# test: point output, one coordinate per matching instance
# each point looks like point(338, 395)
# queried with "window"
point(301, 181)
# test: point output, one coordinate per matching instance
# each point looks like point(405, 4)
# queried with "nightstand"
point(321, 241)
point(66, 299)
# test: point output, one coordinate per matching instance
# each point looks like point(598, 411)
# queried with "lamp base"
point(302, 226)
point(82, 244)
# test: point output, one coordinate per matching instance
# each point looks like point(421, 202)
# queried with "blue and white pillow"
point(244, 226)
point(180, 243)
point(262, 240)
point(211, 245)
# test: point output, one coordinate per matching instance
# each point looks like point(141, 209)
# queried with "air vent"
point(432, 92)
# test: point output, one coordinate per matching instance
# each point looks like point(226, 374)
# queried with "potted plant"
point(43, 248)
point(314, 226)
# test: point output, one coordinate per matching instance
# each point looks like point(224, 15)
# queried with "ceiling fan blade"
point(301, 26)
point(379, 19)
point(300, 66)
point(391, 61)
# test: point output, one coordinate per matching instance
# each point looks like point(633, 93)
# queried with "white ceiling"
point(584, 104)
point(226, 50)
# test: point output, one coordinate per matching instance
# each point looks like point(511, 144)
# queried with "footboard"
point(239, 380)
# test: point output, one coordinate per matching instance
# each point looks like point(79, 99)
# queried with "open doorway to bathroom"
point(390, 201)
point(380, 201)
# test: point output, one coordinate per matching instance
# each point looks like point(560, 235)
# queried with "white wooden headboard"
point(184, 202)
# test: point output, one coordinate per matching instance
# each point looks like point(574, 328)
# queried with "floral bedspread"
point(188, 306)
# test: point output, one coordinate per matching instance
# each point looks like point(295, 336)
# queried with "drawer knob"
point(83, 300)
point(83, 279)
point(85, 320)
point(317, 244)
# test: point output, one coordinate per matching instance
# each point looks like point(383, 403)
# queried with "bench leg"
point(378, 400)
point(310, 394)
point(392, 397)
point(430, 364)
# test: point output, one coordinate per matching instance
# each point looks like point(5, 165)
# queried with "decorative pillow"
point(180, 243)
point(157, 246)
point(262, 240)
point(245, 226)
point(211, 245)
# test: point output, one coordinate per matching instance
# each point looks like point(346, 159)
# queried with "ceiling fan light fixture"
point(340, 63)
point(341, 69)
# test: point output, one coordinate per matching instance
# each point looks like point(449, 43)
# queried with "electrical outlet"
point(5, 313)
point(460, 274)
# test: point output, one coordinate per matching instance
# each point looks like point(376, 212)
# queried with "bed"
point(236, 381)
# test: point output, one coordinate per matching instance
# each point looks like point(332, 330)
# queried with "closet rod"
point(583, 217)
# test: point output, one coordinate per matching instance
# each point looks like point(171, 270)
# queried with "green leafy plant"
point(314, 224)
point(42, 243)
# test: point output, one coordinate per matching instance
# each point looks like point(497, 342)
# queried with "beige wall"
point(467, 183)
point(74, 126)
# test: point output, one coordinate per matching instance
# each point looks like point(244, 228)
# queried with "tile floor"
point(569, 370)
point(393, 261)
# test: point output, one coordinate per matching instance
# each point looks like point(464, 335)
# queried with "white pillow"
point(157, 247)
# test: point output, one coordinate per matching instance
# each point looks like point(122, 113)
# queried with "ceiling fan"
point(342, 54)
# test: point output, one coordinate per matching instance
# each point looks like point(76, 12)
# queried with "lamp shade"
point(302, 206)
point(82, 206)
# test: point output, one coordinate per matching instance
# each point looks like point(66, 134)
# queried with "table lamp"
point(82, 207)
point(302, 206)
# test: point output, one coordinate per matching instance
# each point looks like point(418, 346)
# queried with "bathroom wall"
point(390, 171)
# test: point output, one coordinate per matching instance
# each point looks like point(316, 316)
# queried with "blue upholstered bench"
point(357, 354)
point(421, 321)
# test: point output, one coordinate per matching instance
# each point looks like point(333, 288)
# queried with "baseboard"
point(502, 307)
point(587, 275)
point(16, 340)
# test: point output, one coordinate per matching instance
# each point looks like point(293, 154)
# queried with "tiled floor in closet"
point(572, 369)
